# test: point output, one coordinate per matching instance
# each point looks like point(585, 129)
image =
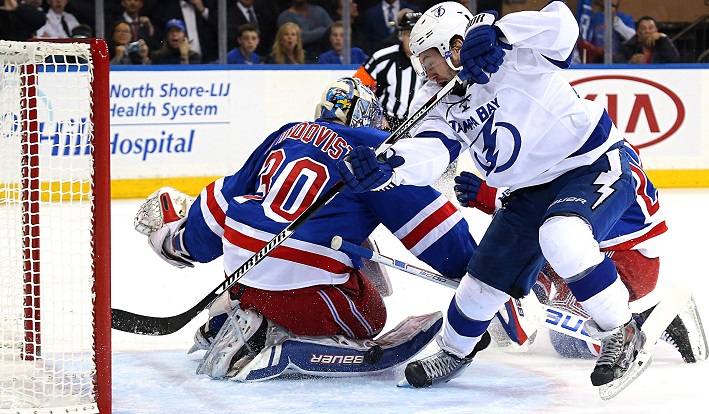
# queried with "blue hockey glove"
point(473, 191)
point(361, 171)
point(482, 52)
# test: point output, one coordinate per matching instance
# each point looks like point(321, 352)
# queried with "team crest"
point(340, 99)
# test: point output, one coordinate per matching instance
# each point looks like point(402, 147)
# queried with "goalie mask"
point(350, 102)
point(435, 29)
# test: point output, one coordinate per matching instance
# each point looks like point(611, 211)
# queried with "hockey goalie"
point(306, 308)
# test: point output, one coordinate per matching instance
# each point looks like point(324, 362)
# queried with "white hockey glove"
point(161, 217)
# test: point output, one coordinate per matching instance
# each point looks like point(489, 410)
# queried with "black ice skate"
point(619, 348)
point(441, 367)
point(676, 335)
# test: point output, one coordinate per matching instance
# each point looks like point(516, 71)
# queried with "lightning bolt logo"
point(489, 135)
point(606, 179)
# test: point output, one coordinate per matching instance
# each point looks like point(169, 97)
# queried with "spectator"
point(19, 21)
point(623, 26)
point(648, 45)
point(248, 39)
point(120, 48)
point(389, 72)
point(176, 48)
point(314, 21)
point(379, 22)
point(199, 18)
point(356, 36)
point(334, 56)
point(141, 25)
point(82, 31)
point(36, 4)
point(59, 23)
point(262, 13)
point(288, 47)
point(84, 10)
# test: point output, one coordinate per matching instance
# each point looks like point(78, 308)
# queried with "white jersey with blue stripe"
point(525, 127)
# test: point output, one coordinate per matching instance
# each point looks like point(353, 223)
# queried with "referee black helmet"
point(407, 20)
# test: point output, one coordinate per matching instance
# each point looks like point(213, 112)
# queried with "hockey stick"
point(556, 319)
point(151, 325)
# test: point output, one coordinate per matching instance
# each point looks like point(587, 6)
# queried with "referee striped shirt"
point(390, 70)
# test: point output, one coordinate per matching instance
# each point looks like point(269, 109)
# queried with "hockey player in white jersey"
point(634, 244)
point(527, 130)
point(305, 307)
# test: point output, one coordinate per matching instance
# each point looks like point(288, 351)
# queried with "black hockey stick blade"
point(154, 325)
point(151, 325)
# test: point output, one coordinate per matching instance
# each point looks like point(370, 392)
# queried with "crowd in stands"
point(281, 31)
point(633, 41)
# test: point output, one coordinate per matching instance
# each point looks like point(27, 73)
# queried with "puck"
point(373, 355)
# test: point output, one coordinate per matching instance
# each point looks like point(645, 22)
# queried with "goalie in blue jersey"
point(306, 308)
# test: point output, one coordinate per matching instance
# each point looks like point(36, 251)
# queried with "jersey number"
point(295, 187)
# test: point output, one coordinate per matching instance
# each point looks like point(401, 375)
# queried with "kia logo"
point(646, 112)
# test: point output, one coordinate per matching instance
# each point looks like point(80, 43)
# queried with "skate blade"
point(404, 384)
point(613, 388)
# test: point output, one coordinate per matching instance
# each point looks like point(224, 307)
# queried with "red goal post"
point(55, 312)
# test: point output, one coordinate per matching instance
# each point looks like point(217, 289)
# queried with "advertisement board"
point(171, 125)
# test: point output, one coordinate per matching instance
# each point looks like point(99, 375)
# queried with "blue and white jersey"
point(527, 126)
point(237, 215)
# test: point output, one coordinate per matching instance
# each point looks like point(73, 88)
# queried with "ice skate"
point(685, 333)
point(619, 348)
point(441, 367)
point(206, 333)
point(242, 337)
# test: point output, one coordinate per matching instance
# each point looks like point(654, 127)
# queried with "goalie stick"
point(151, 325)
point(554, 318)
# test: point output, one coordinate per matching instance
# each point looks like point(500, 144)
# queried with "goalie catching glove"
point(162, 218)
point(362, 171)
point(482, 51)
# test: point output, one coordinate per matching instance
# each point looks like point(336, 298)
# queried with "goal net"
point(54, 228)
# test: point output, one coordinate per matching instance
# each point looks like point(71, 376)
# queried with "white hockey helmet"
point(436, 27)
point(350, 102)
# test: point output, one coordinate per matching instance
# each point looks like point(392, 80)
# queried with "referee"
point(389, 72)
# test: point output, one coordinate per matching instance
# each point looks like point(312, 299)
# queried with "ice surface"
point(155, 375)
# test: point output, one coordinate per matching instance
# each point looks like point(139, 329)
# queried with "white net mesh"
point(46, 257)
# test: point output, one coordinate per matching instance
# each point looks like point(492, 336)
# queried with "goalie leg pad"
point(520, 319)
point(337, 356)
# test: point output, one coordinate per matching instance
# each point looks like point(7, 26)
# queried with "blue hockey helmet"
point(350, 102)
